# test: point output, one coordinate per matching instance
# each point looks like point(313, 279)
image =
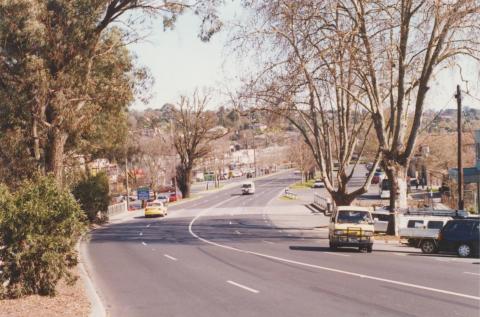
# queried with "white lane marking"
point(229, 222)
point(170, 257)
point(401, 254)
point(328, 269)
point(237, 232)
point(269, 242)
point(339, 254)
point(243, 286)
point(148, 225)
point(472, 273)
point(143, 242)
point(140, 234)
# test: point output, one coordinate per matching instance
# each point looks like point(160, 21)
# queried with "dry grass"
point(69, 301)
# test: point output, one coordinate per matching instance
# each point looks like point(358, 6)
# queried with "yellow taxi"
point(155, 208)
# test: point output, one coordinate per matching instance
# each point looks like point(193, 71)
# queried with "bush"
point(39, 227)
point(93, 194)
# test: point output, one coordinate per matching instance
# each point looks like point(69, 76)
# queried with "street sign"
point(143, 193)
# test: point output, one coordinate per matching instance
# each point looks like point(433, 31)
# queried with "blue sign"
point(143, 193)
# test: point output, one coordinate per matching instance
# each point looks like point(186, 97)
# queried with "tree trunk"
point(342, 199)
point(55, 154)
point(184, 178)
point(396, 173)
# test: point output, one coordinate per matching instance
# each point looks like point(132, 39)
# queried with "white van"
point(248, 188)
point(351, 226)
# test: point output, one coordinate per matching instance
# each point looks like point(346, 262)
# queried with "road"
point(232, 255)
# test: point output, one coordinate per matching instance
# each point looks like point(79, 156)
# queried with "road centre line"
point(140, 234)
point(143, 242)
point(324, 268)
point(269, 242)
point(170, 257)
point(472, 273)
point(243, 286)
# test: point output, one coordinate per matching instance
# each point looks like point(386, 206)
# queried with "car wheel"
point(428, 247)
point(464, 250)
point(369, 249)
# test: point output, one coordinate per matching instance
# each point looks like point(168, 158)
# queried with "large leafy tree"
point(64, 68)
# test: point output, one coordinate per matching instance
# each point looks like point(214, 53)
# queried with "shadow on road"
point(321, 249)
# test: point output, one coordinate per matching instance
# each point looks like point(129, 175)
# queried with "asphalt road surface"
point(222, 255)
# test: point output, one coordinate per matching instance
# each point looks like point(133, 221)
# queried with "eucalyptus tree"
point(63, 65)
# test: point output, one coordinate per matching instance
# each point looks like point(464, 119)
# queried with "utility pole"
point(458, 96)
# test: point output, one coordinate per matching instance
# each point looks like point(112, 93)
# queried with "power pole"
point(458, 96)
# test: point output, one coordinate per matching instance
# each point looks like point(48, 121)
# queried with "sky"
point(180, 62)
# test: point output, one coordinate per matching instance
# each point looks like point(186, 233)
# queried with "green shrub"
point(39, 227)
point(93, 194)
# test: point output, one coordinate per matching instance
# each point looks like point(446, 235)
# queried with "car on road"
point(248, 188)
point(155, 208)
point(164, 198)
point(377, 177)
point(351, 226)
point(318, 184)
point(458, 235)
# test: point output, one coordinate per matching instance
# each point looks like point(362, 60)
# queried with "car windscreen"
point(247, 186)
point(353, 216)
point(155, 204)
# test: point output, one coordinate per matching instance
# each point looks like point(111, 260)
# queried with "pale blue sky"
point(180, 62)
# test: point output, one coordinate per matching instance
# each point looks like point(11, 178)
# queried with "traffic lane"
point(253, 235)
point(316, 292)
point(144, 282)
point(278, 180)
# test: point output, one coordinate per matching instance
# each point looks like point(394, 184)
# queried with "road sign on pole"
point(143, 193)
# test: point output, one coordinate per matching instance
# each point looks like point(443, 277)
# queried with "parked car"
point(377, 177)
point(318, 184)
point(155, 208)
point(459, 235)
point(163, 198)
point(418, 229)
point(174, 197)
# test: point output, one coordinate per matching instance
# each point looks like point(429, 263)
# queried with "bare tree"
point(195, 128)
point(401, 45)
point(308, 59)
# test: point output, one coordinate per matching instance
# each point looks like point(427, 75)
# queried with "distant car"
point(248, 188)
point(163, 198)
point(173, 197)
point(155, 208)
point(318, 184)
point(369, 166)
point(249, 175)
point(377, 177)
point(237, 173)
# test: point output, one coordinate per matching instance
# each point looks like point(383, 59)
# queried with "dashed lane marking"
point(170, 257)
point(472, 273)
point(243, 287)
point(143, 242)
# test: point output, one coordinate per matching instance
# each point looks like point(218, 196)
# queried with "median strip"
point(243, 287)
